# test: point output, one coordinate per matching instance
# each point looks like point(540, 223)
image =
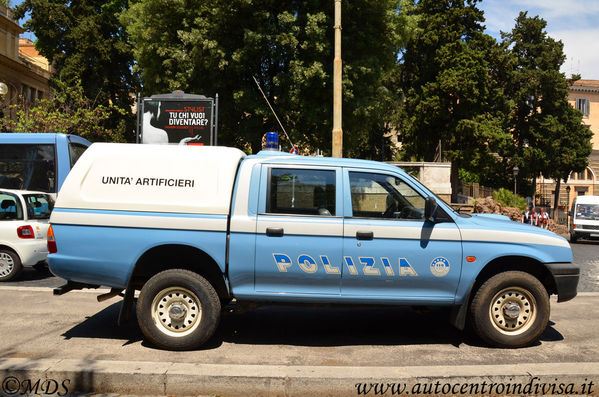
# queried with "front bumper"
point(565, 276)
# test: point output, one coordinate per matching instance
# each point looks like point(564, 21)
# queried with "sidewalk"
point(154, 378)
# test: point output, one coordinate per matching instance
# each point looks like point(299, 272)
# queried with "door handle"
point(274, 231)
point(364, 235)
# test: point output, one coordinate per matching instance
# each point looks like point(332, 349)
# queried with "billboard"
point(177, 118)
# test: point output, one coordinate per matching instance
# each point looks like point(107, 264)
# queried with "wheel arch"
point(498, 265)
point(178, 256)
point(519, 263)
point(11, 249)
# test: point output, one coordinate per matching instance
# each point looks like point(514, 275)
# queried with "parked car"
point(23, 226)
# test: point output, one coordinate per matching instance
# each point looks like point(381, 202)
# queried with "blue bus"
point(38, 162)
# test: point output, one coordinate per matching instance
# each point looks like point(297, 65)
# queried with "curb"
point(63, 376)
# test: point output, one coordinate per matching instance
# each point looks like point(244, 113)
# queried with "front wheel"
point(178, 310)
point(10, 265)
point(510, 309)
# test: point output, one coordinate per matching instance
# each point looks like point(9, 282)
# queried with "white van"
point(584, 218)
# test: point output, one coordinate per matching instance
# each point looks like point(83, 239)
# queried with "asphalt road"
point(40, 325)
point(586, 254)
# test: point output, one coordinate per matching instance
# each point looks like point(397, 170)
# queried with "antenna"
point(273, 112)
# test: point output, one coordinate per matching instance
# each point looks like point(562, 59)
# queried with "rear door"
point(299, 230)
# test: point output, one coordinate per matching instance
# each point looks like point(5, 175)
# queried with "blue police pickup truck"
point(193, 228)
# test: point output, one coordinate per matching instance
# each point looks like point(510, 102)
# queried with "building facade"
point(22, 69)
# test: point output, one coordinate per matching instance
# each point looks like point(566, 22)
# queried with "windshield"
point(10, 207)
point(39, 205)
point(588, 212)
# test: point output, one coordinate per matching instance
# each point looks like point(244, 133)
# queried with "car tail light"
point(25, 232)
point(52, 248)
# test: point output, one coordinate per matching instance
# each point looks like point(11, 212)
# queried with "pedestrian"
point(534, 217)
point(526, 216)
point(544, 218)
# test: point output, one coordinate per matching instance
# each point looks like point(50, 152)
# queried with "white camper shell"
point(126, 177)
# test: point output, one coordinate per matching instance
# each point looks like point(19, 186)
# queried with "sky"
point(574, 22)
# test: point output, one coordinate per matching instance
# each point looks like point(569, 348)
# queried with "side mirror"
point(430, 209)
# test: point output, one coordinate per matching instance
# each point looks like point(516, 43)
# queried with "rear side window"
point(75, 151)
point(10, 207)
point(301, 192)
point(28, 167)
point(39, 206)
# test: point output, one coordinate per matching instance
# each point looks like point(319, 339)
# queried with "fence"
point(474, 190)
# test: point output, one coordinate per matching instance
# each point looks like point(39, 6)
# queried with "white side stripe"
point(140, 221)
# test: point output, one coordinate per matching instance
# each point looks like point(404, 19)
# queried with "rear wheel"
point(10, 265)
point(510, 309)
point(178, 310)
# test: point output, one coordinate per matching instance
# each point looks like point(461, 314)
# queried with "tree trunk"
point(556, 198)
point(454, 178)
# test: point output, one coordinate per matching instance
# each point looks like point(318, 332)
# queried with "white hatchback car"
point(23, 226)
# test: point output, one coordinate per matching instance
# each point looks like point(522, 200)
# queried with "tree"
point(85, 41)
point(68, 112)
point(219, 46)
point(452, 79)
point(549, 134)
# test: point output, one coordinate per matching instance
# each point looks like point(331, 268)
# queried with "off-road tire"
point(178, 310)
point(511, 309)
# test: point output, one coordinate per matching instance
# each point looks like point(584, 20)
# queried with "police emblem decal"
point(440, 267)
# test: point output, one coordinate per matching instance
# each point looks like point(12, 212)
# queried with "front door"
point(389, 250)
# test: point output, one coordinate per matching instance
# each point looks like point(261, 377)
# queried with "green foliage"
point(468, 176)
point(68, 112)
point(452, 79)
point(550, 138)
point(85, 41)
point(219, 46)
point(505, 197)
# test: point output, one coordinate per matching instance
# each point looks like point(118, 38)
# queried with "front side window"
point(28, 167)
point(301, 192)
point(10, 207)
point(39, 206)
point(384, 196)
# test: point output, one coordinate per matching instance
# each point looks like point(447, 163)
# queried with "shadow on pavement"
point(310, 326)
point(103, 325)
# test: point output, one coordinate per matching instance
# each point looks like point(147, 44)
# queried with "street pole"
point(337, 89)
point(515, 170)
